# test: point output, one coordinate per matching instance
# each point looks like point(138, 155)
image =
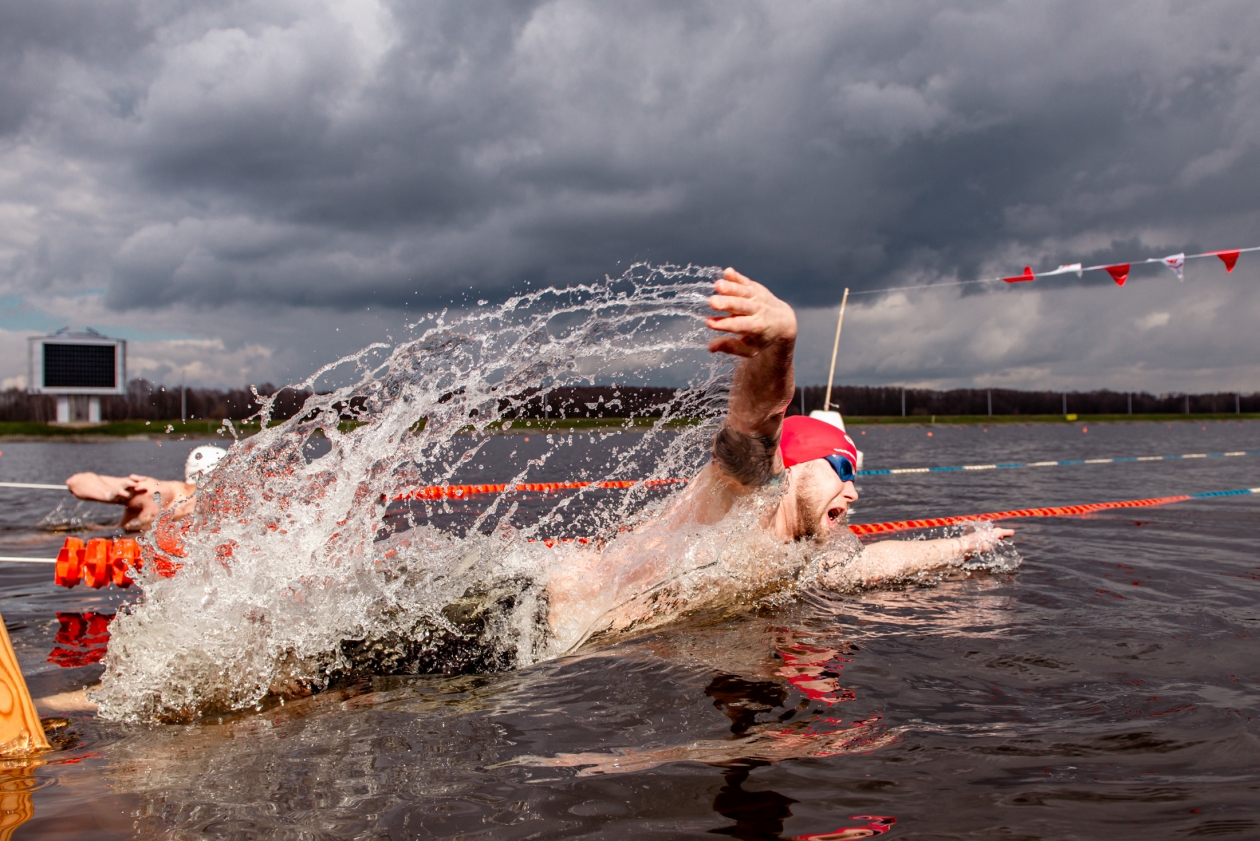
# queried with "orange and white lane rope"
point(102, 561)
point(465, 491)
point(865, 529)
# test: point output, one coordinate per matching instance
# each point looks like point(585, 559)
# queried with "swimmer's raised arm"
point(890, 560)
point(763, 332)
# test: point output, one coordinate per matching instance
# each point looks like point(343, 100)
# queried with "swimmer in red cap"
point(814, 461)
point(770, 508)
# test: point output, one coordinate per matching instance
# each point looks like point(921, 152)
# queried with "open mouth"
point(836, 514)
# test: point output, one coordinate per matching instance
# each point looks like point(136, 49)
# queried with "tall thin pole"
point(835, 347)
point(1065, 403)
point(1130, 396)
point(990, 402)
point(903, 401)
point(183, 397)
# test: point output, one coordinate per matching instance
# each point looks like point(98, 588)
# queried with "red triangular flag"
point(1027, 275)
point(1229, 258)
point(1119, 273)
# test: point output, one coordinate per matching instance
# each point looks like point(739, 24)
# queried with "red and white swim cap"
point(805, 439)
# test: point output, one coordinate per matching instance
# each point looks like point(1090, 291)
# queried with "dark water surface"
point(1110, 688)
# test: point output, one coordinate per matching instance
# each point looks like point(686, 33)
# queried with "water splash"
point(297, 571)
point(73, 516)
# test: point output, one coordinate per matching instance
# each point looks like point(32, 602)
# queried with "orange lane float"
point(865, 529)
point(102, 561)
point(98, 564)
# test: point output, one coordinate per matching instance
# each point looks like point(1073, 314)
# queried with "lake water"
point(1109, 688)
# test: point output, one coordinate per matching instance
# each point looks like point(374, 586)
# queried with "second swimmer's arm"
point(97, 488)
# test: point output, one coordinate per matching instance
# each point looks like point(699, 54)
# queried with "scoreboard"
point(77, 363)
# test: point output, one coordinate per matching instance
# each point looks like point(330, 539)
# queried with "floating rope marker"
point(865, 529)
point(1118, 460)
point(434, 492)
point(460, 491)
point(103, 562)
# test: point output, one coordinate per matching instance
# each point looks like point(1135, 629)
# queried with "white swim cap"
point(201, 461)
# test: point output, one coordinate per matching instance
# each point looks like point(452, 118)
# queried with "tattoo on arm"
point(748, 459)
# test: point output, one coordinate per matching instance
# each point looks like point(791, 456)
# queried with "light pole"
point(835, 347)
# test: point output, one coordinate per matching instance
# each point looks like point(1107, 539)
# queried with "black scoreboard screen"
point(80, 365)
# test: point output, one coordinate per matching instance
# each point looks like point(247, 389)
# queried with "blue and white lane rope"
point(863, 529)
point(894, 471)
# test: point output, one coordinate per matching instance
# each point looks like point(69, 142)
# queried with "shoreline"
point(31, 432)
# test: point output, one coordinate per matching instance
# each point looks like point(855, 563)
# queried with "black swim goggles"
point(843, 467)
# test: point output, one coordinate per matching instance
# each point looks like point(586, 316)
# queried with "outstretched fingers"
point(751, 312)
point(732, 323)
point(733, 345)
point(733, 305)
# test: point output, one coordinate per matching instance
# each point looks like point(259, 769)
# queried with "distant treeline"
point(146, 401)
point(887, 401)
point(598, 401)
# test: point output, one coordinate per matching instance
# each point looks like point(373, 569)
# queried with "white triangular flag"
point(1066, 268)
point(1176, 262)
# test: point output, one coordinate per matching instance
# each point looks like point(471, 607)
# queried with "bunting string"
point(1119, 272)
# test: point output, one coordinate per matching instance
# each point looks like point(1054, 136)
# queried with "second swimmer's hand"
point(754, 316)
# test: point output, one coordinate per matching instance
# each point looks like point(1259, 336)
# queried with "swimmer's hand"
point(754, 315)
point(978, 542)
point(139, 487)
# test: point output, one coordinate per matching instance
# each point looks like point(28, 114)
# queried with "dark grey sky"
point(250, 188)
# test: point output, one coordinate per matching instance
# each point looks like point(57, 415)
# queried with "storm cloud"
point(235, 181)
